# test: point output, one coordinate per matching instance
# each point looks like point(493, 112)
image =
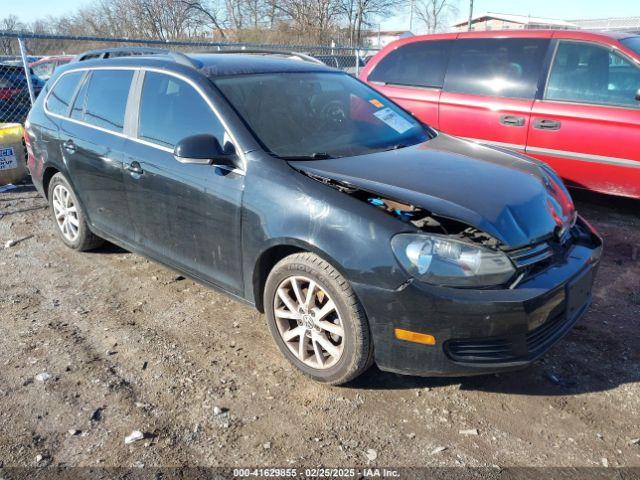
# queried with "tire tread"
point(87, 240)
point(363, 347)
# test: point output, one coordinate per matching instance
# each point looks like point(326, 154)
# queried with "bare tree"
point(9, 46)
point(264, 21)
point(367, 10)
point(434, 13)
point(310, 19)
point(210, 11)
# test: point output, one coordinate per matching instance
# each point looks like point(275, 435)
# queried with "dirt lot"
point(130, 345)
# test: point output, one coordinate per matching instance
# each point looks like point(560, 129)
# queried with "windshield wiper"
point(313, 156)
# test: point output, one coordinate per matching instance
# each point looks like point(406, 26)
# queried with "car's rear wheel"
point(316, 319)
point(69, 217)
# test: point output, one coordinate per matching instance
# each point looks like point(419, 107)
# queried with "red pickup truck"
point(569, 98)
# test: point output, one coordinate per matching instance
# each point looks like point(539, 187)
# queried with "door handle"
point(546, 124)
point(135, 168)
point(69, 146)
point(512, 120)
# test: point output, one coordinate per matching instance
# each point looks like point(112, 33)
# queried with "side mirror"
point(203, 149)
point(638, 95)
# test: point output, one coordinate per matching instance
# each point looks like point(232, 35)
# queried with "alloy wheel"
point(66, 212)
point(309, 322)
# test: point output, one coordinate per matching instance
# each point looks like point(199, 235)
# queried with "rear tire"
point(68, 216)
point(325, 335)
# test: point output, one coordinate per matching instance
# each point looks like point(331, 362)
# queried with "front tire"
point(316, 319)
point(68, 216)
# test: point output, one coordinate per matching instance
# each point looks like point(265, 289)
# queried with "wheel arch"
point(49, 171)
point(47, 175)
point(272, 254)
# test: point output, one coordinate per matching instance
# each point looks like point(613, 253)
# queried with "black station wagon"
point(365, 235)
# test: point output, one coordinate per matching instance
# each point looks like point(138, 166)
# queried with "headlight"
point(441, 260)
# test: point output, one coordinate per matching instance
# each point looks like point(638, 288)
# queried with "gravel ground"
point(95, 346)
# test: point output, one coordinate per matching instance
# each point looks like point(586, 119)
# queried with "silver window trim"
point(240, 171)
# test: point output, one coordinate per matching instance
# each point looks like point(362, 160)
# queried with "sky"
point(29, 10)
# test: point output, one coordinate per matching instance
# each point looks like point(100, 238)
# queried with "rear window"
point(420, 64)
point(62, 94)
point(496, 67)
point(102, 100)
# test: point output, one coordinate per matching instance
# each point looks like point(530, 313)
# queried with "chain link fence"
point(28, 60)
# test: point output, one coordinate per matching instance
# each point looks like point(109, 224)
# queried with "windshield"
point(633, 43)
point(319, 115)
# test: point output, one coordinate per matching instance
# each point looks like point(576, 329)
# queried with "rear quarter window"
point(496, 67)
point(61, 96)
point(420, 64)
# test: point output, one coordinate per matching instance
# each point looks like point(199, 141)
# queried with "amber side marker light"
point(415, 337)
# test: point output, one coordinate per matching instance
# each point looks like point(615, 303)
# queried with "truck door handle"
point(512, 120)
point(135, 168)
point(69, 146)
point(546, 124)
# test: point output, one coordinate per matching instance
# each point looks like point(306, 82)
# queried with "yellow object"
point(375, 102)
point(415, 337)
point(13, 167)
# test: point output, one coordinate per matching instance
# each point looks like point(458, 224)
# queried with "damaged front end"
point(448, 252)
point(419, 217)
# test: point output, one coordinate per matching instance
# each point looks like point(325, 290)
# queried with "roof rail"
point(116, 52)
point(301, 56)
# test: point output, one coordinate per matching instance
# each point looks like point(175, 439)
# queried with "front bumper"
point(482, 331)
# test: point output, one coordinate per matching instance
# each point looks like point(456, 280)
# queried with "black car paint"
point(495, 192)
point(226, 227)
point(482, 314)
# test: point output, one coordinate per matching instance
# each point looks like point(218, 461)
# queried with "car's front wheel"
point(69, 217)
point(316, 319)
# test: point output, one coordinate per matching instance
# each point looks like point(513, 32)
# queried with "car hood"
point(513, 198)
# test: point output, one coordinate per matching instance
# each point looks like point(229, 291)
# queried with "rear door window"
point(171, 109)
point(496, 67)
point(419, 64)
point(589, 73)
point(61, 96)
point(102, 100)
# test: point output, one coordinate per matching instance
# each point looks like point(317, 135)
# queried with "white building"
point(621, 24)
point(381, 39)
point(504, 21)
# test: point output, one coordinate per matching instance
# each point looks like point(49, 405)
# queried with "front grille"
point(527, 256)
point(522, 347)
point(533, 259)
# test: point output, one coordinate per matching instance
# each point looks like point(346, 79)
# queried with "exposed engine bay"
point(407, 213)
